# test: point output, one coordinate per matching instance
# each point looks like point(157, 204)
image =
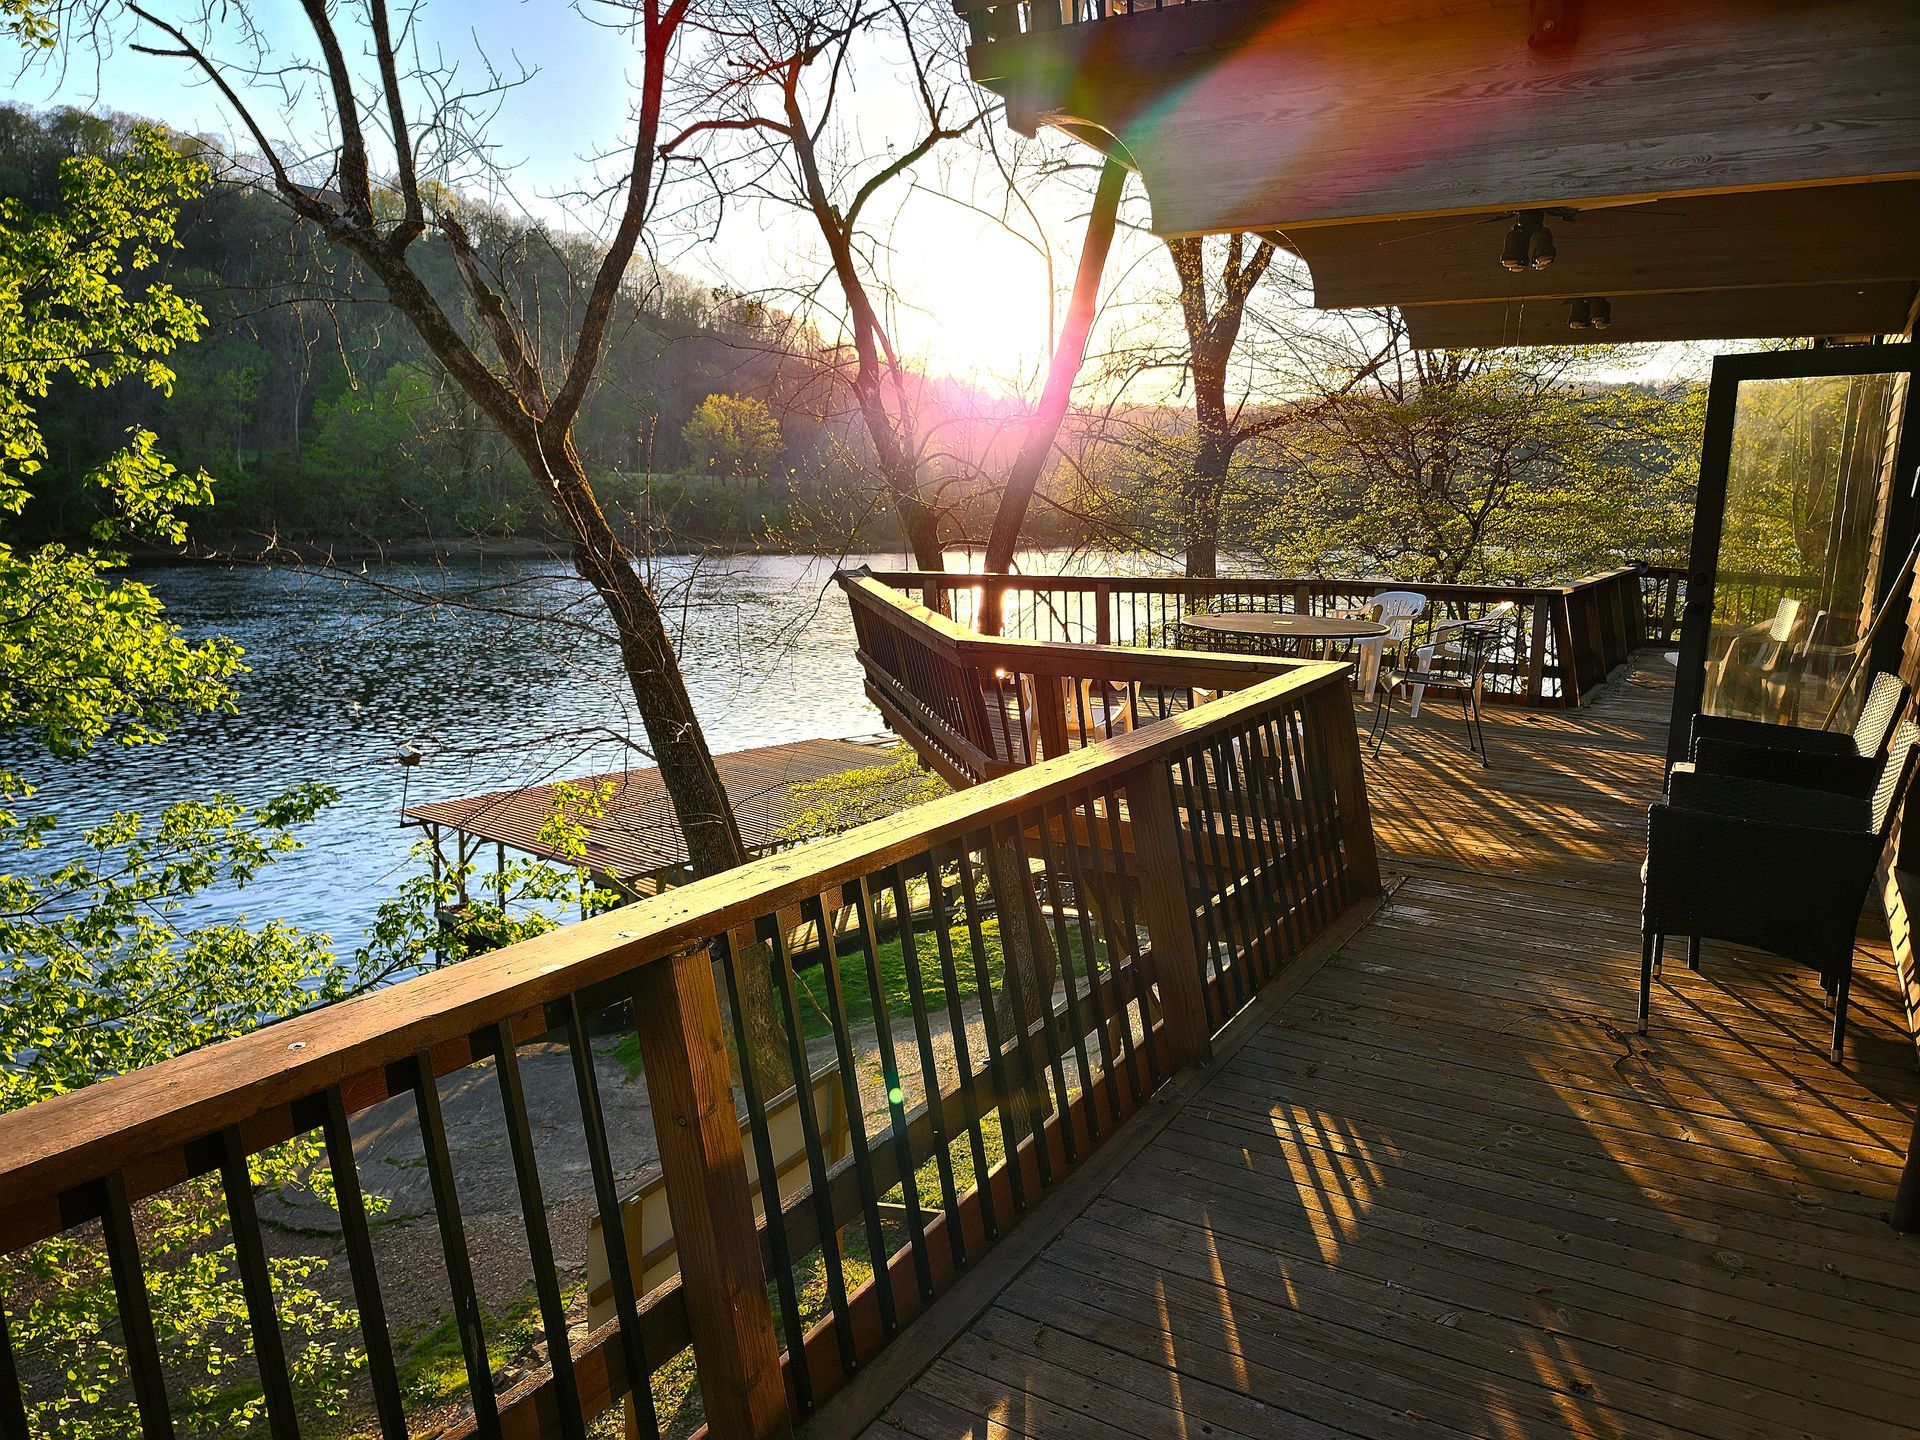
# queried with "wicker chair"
point(1847, 763)
point(1451, 657)
point(1777, 867)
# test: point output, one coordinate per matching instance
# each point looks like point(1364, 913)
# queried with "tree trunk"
point(1044, 427)
point(1204, 487)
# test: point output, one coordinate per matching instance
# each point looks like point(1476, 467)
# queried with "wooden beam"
point(1877, 309)
point(1861, 233)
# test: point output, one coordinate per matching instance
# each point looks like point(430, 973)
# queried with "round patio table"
point(1268, 631)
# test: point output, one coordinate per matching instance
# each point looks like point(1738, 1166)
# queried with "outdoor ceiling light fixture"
point(1595, 312)
point(1529, 244)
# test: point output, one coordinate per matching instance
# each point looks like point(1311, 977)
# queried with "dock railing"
point(1565, 640)
point(1022, 965)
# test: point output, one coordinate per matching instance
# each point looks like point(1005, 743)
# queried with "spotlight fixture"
point(1529, 243)
point(1515, 254)
point(1540, 251)
point(1592, 312)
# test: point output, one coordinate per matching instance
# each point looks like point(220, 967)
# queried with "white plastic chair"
point(1398, 610)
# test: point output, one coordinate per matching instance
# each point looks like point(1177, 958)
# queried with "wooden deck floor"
point(1443, 1189)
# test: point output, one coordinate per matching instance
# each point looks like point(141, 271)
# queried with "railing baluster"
point(1126, 876)
point(567, 1017)
point(856, 1116)
point(453, 1243)
point(256, 1287)
point(533, 1211)
point(736, 945)
point(1163, 894)
point(962, 1047)
point(930, 1086)
point(1005, 1098)
point(136, 1311)
point(1076, 1027)
point(896, 1093)
point(1237, 913)
point(1307, 827)
point(362, 1267)
point(1188, 790)
point(1094, 892)
point(822, 1194)
point(1013, 843)
point(13, 1402)
point(1291, 882)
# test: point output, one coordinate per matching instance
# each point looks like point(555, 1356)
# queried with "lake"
point(481, 667)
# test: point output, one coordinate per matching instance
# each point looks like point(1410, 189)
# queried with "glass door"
point(1804, 522)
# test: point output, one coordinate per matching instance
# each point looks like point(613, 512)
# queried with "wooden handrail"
point(1568, 638)
point(1256, 792)
point(73, 1138)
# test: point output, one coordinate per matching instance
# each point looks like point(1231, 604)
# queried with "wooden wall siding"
point(1442, 1189)
point(1877, 308)
point(1261, 845)
point(1240, 118)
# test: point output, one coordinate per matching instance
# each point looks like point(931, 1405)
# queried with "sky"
point(971, 295)
point(974, 298)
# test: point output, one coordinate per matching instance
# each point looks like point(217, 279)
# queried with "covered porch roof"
point(1735, 168)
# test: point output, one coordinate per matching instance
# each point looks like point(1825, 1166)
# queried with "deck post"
point(676, 1013)
point(1350, 796)
point(1537, 651)
point(1168, 915)
point(1906, 1200)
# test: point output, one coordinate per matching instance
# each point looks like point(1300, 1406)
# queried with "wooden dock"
point(636, 841)
point(1440, 1188)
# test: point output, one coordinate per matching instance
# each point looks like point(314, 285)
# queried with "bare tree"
point(779, 71)
point(384, 187)
point(533, 403)
point(1212, 313)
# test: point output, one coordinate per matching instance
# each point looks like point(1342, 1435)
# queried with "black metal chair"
point(1780, 868)
point(1455, 658)
point(1845, 762)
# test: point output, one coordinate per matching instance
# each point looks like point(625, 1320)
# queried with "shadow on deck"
point(1441, 1188)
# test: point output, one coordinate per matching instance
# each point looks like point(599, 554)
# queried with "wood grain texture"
point(1843, 233)
point(1246, 116)
point(677, 1017)
point(1878, 308)
point(140, 1122)
point(1443, 1190)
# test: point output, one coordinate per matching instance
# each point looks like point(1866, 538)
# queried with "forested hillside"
point(324, 424)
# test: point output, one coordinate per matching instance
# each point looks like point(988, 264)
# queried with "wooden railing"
point(1663, 598)
point(1564, 641)
point(989, 21)
point(1041, 952)
point(977, 705)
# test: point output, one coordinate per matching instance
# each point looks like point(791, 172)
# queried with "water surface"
point(487, 668)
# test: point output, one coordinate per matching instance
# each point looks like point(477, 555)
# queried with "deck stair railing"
point(1022, 965)
point(1565, 641)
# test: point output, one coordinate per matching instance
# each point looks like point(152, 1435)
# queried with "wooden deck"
point(1441, 1188)
point(635, 837)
